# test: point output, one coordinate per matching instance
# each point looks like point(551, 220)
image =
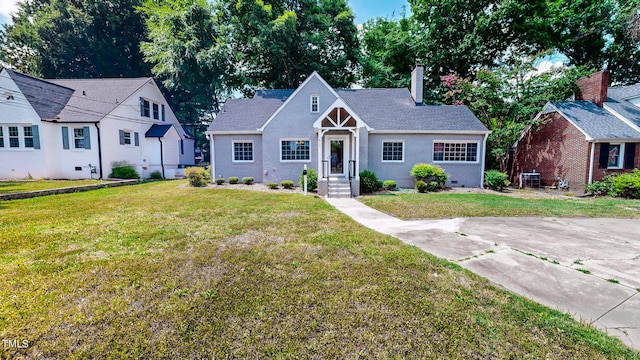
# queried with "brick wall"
point(594, 87)
point(555, 149)
point(599, 174)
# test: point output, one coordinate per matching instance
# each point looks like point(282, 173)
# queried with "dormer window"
point(315, 103)
point(145, 110)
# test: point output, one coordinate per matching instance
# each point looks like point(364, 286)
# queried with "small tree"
point(496, 180)
point(197, 176)
point(312, 180)
point(369, 182)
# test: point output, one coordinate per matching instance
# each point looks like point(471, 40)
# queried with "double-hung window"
point(156, 111)
point(145, 109)
point(315, 103)
point(14, 137)
point(1, 138)
point(455, 151)
point(614, 160)
point(393, 151)
point(295, 150)
point(78, 138)
point(242, 151)
point(28, 136)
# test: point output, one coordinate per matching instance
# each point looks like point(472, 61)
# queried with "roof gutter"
point(591, 160)
point(484, 150)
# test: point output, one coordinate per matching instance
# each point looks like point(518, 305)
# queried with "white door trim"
point(345, 157)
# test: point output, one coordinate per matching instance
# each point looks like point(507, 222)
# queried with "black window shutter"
point(121, 137)
point(181, 146)
point(87, 138)
point(136, 139)
point(141, 106)
point(36, 136)
point(629, 155)
point(162, 107)
point(604, 156)
point(65, 137)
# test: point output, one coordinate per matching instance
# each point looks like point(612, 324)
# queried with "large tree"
point(280, 42)
point(75, 39)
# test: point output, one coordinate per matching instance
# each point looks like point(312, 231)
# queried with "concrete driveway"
point(588, 268)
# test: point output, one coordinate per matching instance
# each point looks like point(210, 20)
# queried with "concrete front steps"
point(339, 188)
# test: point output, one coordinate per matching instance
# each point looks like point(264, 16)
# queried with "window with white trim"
point(393, 151)
point(1, 138)
point(242, 151)
point(78, 138)
point(614, 160)
point(455, 151)
point(14, 137)
point(127, 138)
point(156, 111)
point(27, 131)
point(295, 150)
point(315, 103)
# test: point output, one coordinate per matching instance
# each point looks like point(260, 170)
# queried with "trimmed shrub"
point(233, 180)
point(197, 176)
point(389, 185)
point(600, 188)
point(627, 185)
point(288, 184)
point(272, 185)
point(123, 170)
point(496, 180)
point(247, 180)
point(369, 182)
point(155, 175)
point(220, 181)
point(312, 180)
point(421, 186)
point(429, 173)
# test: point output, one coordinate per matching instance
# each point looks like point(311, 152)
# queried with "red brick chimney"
point(594, 88)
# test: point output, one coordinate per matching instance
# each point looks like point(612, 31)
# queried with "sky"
point(363, 9)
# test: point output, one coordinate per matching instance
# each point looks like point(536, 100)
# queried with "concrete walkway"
point(588, 268)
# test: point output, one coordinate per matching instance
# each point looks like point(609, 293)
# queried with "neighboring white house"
point(340, 132)
point(75, 129)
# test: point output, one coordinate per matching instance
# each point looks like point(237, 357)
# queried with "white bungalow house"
point(340, 132)
point(75, 129)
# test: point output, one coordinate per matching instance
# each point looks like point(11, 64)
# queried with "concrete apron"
point(539, 258)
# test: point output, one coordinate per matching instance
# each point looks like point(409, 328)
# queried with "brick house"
point(583, 140)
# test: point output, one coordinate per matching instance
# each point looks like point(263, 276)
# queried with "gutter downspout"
point(212, 156)
point(99, 149)
point(161, 157)
point(484, 150)
point(593, 155)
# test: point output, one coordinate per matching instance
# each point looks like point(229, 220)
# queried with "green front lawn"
point(450, 205)
point(161, 271)
point(7, 187)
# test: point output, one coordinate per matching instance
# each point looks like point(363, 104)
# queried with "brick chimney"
point(594, 88)
point(417, 83)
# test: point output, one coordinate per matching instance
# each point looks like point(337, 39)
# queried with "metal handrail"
point(324, 168)
point(352, 169)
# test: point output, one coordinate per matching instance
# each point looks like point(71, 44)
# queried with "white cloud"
point(8, 6)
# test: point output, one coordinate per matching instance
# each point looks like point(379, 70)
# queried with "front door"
point(337, 150)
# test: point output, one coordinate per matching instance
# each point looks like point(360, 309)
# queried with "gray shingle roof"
point(597, 122)
point(157, 130)
point(394, 109)
point(249, 114)
point(381, 109)
point(93, 99)
point(46, 98)
point(625, 109)
point(624, 92)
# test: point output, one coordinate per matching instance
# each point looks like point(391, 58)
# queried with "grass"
point(449, 205)
point(158, 271)
point(7, 187)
